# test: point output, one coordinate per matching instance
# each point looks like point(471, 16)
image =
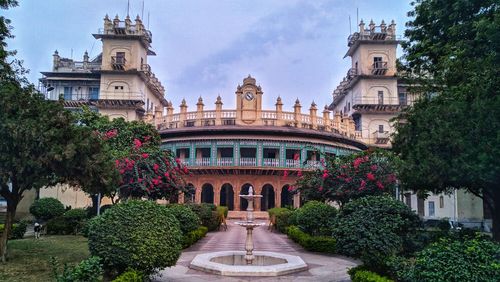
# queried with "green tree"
point(449, 138)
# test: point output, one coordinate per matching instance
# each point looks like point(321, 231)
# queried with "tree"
point(142, 167)
point(349, 177)
point(41, 145)
point(449, 139)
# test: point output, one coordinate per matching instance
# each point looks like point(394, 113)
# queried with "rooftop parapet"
point(69, 65)
point(117, 27)
point(373, 32)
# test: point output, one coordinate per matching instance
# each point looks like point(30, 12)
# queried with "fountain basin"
point(233, 263)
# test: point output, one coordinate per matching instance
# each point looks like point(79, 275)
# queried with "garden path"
point(321, 267)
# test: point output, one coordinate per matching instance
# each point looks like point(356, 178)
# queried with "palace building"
point(230, 149)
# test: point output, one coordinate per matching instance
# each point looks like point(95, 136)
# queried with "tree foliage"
point(449, 138)
point(349, 177)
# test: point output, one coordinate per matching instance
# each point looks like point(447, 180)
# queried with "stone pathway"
point(321, 267)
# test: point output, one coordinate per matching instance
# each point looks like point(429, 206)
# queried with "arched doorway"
point(244, 191)
point(267, 200)
point(207, 193)
point(189, 194)
point(286, 197)
point(227, 196)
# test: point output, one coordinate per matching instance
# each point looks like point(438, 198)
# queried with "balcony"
point(379, 68)
point(252, 162)
point(270, 162)
point(225, 162)
point(248, 162)
point(381, 137)
point(202, 162)
point(378, 104)
point(118, 63)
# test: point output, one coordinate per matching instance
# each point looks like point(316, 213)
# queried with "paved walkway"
point(321, 267)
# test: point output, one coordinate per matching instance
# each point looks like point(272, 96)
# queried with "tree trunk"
point(9, 219)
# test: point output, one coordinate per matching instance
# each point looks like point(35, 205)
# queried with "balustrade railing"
point(292, 163)
point(271, 162)
point(202, 162)
point(248, 162)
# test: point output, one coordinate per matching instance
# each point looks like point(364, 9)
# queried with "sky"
point(294, 48)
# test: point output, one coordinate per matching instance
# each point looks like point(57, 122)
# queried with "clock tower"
point(248, 102)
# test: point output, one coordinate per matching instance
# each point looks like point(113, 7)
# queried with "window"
point(118, 87)
point(432, 211)
point(408, 200)
point(120, 58)
point(441, 202)
point(94, 93)
point(381, 97)
point(377, 62)
point(357, 122)
point(67, 93)
point(381, 128)
point(349, 106)
point(402, 99)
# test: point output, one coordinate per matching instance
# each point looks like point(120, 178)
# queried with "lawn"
point(29, 259)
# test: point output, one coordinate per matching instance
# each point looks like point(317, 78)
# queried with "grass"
point(29, 259)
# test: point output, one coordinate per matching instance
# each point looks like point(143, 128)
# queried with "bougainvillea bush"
point(350, 177)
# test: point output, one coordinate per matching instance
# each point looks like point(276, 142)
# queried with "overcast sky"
point(294, 48)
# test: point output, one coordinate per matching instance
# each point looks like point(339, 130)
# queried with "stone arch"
point(207, 193)
point(227, 196)
point(244, 191)
point(286, 196)
point(267, 200)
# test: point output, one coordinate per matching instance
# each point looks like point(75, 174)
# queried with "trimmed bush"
point(47, 208)
point(130, 275)
point(315, 218)
point(282, 216)
point(322, 244)
point(76, 219)
point(59, 226)
point(222, 210)
point(188, 220)
point(89, 270)
point(368, 276)
point(193, 236)
point(136, 234)
point(18, 230)
point(373, 228)
point(207, 214)
point(476, 259)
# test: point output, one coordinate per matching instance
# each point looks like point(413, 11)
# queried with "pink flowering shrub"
point(349, 177)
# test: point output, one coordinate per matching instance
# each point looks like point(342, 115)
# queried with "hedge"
point(131, 275)
point(282, 216)
point(367, 276)
point(208, 215)
point(193, 236)
point(47, 208)
point(321, 244)
point(188, 220)
point(315, 218)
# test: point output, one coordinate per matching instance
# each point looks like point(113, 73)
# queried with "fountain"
point(248, 262)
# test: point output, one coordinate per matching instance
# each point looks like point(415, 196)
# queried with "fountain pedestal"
point(238, 263)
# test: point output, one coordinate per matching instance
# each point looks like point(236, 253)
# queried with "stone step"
point(243, 214)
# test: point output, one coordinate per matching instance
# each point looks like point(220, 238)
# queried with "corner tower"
point(126, 77)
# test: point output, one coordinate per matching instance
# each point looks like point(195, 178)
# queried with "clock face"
point(249, 96)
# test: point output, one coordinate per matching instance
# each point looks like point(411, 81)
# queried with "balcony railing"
point(381, 137)
point(379, 101)
point(351, 73)
point(379, 68)
point(251, 162)
point(248, 162)
point(271, 162)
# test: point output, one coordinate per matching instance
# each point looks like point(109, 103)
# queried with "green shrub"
point(47, 208)
point(282, 216)
point(373, 228)
point(188, 220)
point(141, 235)
point(131, 275)
point(207, 214)
point(315, 218)
point(476, 259)
point(18, 230)
point(76, 219)
point(89, 270)
point(59, 226)
point(193, 236)
point(368, 276)
point(222, 210)
point(322, 244)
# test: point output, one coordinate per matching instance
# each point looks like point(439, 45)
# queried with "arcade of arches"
point(224, 191)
